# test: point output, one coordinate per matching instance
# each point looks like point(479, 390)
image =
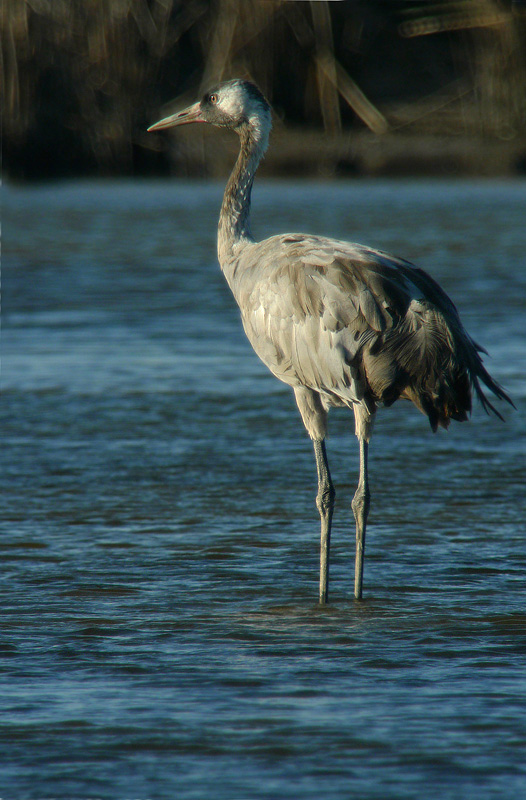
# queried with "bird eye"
point(213, 99)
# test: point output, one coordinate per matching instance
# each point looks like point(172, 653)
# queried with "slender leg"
point(325, 504)
point(360, 507)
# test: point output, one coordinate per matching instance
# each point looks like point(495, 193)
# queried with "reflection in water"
point(161, 635)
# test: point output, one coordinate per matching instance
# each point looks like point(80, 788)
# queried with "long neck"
point(234, 225)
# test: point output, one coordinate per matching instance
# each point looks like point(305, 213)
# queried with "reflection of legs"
point(362, 498)
point(325, 503)
point(314, 417)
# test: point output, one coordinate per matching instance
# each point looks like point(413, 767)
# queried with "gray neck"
point(234, 223)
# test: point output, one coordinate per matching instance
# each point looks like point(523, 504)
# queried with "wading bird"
point(341, 323)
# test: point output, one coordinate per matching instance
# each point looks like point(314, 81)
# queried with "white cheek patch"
point(229, 103)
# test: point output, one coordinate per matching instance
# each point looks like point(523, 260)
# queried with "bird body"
point(353, 324)
point(341, 323)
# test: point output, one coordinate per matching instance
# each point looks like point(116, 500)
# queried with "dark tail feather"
point(493, 386)
point(435, 365)
point(450, 398)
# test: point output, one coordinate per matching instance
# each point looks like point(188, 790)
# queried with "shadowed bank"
point(363, 88)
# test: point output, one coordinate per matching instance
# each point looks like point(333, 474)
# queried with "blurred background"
point(360, 87)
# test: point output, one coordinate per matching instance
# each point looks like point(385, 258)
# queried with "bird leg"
point(325, 504)
point(362, 498)
point(314, 415)
point(360, 507)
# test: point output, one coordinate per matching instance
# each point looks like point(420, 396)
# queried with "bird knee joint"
point(361, 502)
point(325, 499)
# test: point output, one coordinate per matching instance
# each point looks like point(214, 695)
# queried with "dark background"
point(442, 86)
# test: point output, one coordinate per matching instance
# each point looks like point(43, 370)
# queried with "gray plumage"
point(341, 323)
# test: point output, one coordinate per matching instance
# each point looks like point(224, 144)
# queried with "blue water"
point(160, 635)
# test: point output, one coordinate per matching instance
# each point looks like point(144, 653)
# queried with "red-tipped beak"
point(190, 114)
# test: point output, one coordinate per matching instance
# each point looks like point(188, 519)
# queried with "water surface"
point(160, 634)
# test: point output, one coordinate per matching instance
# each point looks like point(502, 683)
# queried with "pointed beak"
point(190, 114)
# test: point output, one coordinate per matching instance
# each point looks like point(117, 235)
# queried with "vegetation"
point(82, 79)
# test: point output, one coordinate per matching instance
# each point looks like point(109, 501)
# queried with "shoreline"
point(300, 153)
point(297, 153)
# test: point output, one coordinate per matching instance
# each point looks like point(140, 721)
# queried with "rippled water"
point(160, 635)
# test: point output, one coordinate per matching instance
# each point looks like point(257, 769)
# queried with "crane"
point(341, 323)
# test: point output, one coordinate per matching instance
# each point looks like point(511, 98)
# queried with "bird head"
point(236, 104)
